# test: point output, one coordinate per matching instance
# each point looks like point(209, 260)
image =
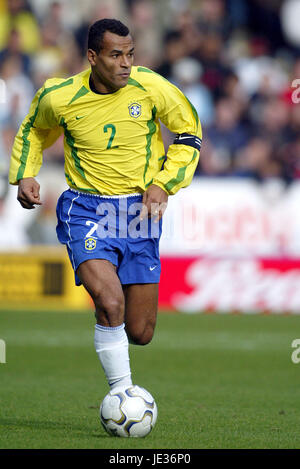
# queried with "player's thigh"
point(141, 303)
point(100, 279)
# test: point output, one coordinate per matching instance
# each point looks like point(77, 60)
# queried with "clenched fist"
point(29, 193)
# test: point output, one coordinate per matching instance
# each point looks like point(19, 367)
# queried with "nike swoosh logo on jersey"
point(79, 117)
point(152, 268)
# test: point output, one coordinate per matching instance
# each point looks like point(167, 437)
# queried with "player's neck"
point(98, 87)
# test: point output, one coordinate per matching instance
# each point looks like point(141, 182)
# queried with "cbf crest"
point(135, 110)
point(90, 244)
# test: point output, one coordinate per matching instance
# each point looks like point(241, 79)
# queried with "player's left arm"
point(180, 117)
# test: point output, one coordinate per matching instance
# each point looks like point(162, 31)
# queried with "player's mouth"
point(125, 75)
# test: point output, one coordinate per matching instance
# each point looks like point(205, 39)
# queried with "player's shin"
point(111, 344)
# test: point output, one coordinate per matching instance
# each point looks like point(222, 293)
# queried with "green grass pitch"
point(220, 381)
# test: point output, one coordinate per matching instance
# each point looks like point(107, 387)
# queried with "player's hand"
point(155, 202)
point(29, 193)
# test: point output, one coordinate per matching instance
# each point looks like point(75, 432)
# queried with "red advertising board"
point(246, 285)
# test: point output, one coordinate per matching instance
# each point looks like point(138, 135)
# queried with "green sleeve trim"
point(133, 82)
point(148, 183)
point(180, 175)
point(82, 92)
point(195, 114)
point(144, 69)
point(28, 126)
point(148, 70)
point(74, 152)
point(162, 160)
point(152, 128)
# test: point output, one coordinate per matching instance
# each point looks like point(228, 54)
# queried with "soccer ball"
point(128, 411)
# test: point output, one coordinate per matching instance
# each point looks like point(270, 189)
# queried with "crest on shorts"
point(135, 110)
point(90, 244)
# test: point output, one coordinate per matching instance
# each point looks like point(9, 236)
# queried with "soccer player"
point(118, 177)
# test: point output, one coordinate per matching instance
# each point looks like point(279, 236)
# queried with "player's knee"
point(110, 308)
point(141, 336)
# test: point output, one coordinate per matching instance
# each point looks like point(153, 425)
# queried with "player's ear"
point(91, 55)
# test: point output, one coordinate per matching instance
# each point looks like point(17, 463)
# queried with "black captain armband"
point(187, 139)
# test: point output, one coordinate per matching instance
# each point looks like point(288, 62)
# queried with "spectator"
point(42, 228)
point(289, 157)
point(186, 73)
point(144, 22)
point(173, 50)
point(273, 120)
point(186, 25)
point(256, 160)
point(213, 18)
point(96, 10)
point(19, 91)
point(14, 49)
point(214, 161)
point(7, 134)
point(209, 54)
point(227, 133)
point(17, 16)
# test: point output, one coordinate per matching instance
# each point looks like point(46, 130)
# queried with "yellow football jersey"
point(112, 142)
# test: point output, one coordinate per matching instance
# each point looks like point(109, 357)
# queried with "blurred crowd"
point(237, 61)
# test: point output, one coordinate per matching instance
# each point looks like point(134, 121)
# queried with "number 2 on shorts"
point(93, 229)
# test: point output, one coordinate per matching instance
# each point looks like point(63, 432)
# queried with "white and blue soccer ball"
point(128, 412)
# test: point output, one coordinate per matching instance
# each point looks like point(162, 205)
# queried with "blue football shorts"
point(108, 227)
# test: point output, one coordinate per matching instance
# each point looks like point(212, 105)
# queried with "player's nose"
point(125, 62)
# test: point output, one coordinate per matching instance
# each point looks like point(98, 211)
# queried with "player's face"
point(112, 66)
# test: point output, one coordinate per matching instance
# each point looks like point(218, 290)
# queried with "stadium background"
point(236, 229)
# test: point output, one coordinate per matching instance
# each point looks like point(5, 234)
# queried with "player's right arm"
point(38, 131)
point(29, 193)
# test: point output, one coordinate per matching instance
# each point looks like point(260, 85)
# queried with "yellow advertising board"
point(40, 277)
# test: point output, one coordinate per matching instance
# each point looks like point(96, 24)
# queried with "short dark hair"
point(97, 30)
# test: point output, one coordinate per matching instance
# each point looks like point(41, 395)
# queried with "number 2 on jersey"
point(112, 135)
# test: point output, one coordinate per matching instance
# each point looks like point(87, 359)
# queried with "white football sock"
point(111, 344)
